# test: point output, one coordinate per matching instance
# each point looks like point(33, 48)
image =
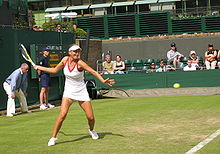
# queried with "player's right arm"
point(52, 70)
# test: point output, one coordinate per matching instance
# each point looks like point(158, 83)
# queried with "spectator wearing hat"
point(44, 79)
point(210, 56)
point(173, 56)
point(152, 68)
point(193, 58)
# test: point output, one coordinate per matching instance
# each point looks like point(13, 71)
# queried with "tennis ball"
point(176, 85)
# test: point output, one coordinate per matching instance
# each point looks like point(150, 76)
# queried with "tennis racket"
point(25, 54)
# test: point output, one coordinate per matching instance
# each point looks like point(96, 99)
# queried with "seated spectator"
point(173, 56)
point(59, 28)
point(152, 68)
point(74, 26)
point(194, 59)
point(210, 56)
point(189, 66)
point(35, 28)
point(164, 68)
point(108, 65)
point(40, 29)
point(119, 65)
point(218, 58)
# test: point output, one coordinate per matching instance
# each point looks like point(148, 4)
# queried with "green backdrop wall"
point(142, 80)
point(12, 59)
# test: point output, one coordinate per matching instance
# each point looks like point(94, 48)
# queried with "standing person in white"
point(75, 89)
point(16, 86)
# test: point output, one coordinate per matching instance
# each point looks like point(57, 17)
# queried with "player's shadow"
point(101, 136)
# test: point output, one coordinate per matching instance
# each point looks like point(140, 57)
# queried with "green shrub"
point(80, 32)
point(66, 26)
point(20, 22)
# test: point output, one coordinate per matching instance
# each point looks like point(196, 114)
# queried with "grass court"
point(158, 125)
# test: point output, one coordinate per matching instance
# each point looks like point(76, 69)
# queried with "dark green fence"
point(212, 24)
point(153, 23)
point(20, 6)
point(146, 24)
point(186, 25)
point(95, 25)
point(121, 25)
point(11, 59)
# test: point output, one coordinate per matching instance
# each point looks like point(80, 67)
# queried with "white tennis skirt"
point(76, 93)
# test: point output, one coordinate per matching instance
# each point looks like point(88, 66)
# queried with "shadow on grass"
point(32, 111)
point(101, 136)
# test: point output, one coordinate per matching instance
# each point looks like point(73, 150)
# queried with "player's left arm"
point(83, 66)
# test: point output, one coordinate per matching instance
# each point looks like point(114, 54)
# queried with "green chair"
point(145, 62)
point(171, 65)
point(180, 66)
point(128, 68)
point(157, 61)
point(128, 63)
point(201, 60)
point(164, 60)
point(157, 66)
point(149, 61)
point(184, 60)
point(133, 68)
point(145, 68)
point(137, 62)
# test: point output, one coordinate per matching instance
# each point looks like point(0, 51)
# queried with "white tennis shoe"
point(52, 141)
point(50, 105)
point(94, 135)
point(9, 115)
point(43, 107)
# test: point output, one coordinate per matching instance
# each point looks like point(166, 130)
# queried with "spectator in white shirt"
point(189, 67)
point(173, 56)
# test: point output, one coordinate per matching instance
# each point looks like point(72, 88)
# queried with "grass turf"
point(131, 125)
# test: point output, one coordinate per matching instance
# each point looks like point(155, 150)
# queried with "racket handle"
point(33, 64)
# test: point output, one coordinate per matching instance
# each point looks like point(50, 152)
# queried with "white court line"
point(204, 142)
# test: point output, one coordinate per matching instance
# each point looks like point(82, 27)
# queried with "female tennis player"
point(75, 89)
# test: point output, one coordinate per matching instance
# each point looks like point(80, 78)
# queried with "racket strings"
point(24, 54)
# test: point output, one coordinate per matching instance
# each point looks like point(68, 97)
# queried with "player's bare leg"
point(65, 105)
point(87, 107)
